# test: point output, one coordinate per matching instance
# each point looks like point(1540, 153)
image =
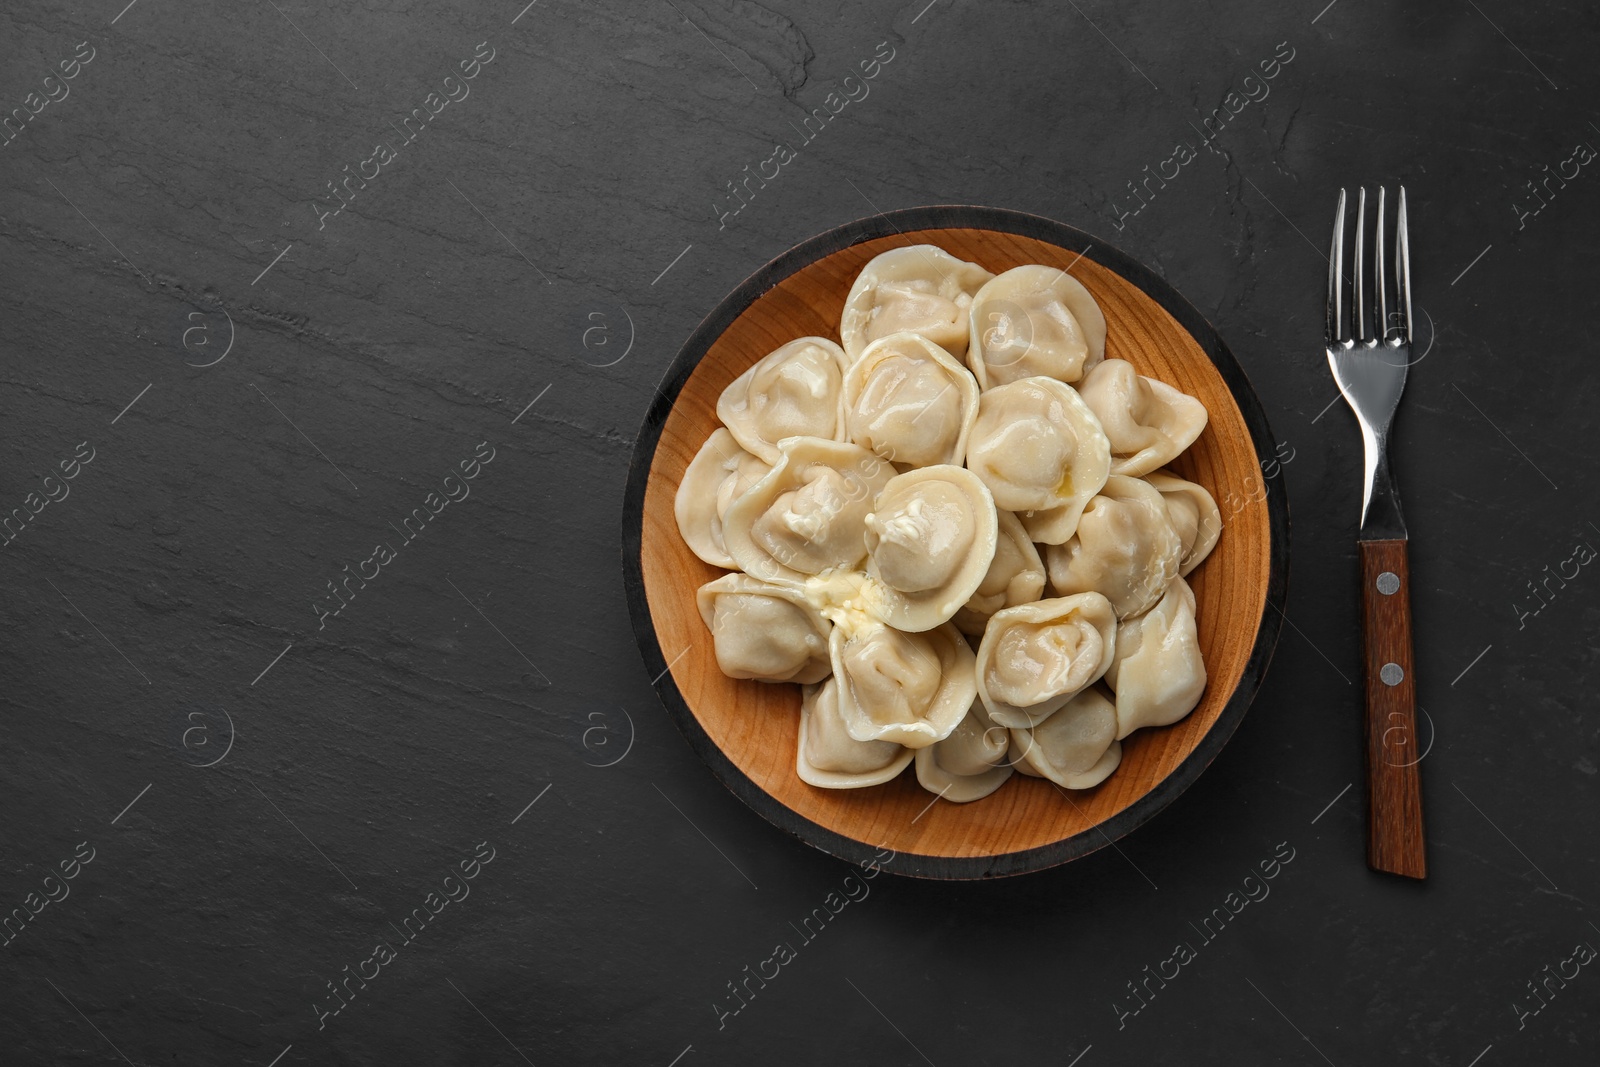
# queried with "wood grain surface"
point(755, 724)
point(1394, 788)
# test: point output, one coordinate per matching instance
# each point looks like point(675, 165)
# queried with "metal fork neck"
point(1381, 520)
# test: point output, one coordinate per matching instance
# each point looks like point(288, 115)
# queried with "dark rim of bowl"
point(699, 343)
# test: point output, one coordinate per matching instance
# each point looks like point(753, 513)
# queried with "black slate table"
point(286, 282)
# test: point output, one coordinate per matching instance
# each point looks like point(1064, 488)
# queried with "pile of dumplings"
point(895, 507)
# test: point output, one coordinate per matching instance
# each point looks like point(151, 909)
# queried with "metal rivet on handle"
point(1392, 674)
point(1388, 583)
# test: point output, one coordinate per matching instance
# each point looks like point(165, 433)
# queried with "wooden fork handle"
point(1394, 788)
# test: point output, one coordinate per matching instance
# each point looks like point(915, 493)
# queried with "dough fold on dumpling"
point(1124, 548)
point(1036, 657)
point(719, 473)
point(791, 392)
point(1034, 320)
point(808, 514)
point(763, 631)
point(910, 401)
point(970, 763)
point(1016, 576)
point(922, 288)
point(1158, 673)
point(1147, 421)
point(1076, 747)
point(930, 539)
point(1194, 516)
point(1041, 452)
point(828, 757)
point(897, 686)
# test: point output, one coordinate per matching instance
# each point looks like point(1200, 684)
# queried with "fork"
point(1370, 369)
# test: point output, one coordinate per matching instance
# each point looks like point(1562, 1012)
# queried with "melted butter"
point(850, 600)
point(1064, 486)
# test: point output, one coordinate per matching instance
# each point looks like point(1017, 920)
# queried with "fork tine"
point(1381, 274)
point(1337, 328)
point(1363, 327)
point(1402, 266)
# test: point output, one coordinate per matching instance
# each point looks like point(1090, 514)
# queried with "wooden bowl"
point(746, 731)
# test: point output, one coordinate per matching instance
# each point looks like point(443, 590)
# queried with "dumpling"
point(1148, 422)
point(719, 472)
point(763, 631)
point(923, 289)
point(808, 514)
point(1157, 673)
point(1016, 576)
point(1124, 548)
point(930, 539)
point(910, 401)
point(893, 686)
point(1034, 320)
point(1194, 516)
point(827, 756)
point(793, 392)
point(970, 763)
point(1077, 747)
point(1035, 658)
point(1041, 452)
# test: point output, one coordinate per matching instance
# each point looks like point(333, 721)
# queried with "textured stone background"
point(159, 215)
